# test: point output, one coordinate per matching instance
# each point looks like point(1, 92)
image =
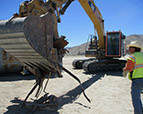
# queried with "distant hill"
point(134, 38)
point(77, 50)
point(80, 49)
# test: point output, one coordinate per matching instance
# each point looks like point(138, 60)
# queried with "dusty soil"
point(109, 93)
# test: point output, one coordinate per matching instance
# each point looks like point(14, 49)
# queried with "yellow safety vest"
point(137, 58)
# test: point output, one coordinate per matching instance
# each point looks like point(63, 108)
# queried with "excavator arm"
point(96, 17)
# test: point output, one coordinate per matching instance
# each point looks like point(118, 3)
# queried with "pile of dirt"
point(80, 49)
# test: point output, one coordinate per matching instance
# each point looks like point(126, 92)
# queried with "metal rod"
point(47, 82)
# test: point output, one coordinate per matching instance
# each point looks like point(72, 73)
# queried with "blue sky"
point(124, 15)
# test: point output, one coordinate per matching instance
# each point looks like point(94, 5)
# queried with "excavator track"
point(103, 65)
point(77, 64)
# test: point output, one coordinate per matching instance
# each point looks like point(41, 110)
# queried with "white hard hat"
point(134, 44)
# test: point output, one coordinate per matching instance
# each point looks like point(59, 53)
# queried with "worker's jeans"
point(137, 87)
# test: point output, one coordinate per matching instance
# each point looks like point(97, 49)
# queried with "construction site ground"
point(109, 92)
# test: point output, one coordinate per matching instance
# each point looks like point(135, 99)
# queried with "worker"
point(134, 66)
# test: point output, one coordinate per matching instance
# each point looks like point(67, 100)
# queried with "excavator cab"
point(114, 44)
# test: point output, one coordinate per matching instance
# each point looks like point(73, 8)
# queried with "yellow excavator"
point(32, 36)
point(106, 49)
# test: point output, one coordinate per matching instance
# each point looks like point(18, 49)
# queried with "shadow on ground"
point(108, 73)
point(15, 77)
point(115, 73)
point(62, 100)
point(73, 94)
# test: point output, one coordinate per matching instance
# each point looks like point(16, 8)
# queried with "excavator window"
point(113, 44)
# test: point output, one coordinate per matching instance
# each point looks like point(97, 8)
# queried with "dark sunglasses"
point(131, 47)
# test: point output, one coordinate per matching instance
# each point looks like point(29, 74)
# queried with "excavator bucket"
point(30, 39)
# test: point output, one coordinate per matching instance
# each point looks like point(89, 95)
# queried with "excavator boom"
point(96, 17)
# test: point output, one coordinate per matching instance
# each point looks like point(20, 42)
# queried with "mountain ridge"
point(80, 49)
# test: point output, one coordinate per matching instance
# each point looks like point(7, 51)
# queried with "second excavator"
point(106, 48)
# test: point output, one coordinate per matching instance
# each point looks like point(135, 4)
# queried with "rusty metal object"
point(30, 39)
point(60, 43)
point(39, 33)
point(8, 63)
point(33, 39)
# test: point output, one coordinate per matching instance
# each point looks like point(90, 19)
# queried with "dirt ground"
point(109, 93)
